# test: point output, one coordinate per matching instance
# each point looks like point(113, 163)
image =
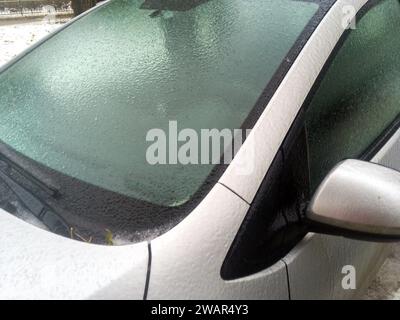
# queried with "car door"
point(352, 112)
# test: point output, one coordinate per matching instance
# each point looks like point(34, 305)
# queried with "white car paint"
point(37, 264)
point(186, 261)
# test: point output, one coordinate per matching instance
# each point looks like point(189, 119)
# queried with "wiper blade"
point(52, 191)
point(34, 205)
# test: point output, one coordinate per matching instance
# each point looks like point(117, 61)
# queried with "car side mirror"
point(359, 200)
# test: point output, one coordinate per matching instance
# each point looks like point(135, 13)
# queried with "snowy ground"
point(16, 38)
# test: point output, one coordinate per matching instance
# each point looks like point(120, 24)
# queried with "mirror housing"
point(359, 200)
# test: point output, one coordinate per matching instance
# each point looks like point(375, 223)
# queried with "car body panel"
point(315, 266)
point(186, 261)
point(37, 264)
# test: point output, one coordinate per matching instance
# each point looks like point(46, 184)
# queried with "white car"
point(318, 82)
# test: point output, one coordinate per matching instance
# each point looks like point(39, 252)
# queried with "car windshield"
point(83, 101)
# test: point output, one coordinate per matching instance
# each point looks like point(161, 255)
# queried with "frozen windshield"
point(83, 102)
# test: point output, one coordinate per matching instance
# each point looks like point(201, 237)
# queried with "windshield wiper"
point(33, 204)
point(50, 190)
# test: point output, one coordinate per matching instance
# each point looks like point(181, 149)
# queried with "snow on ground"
point(15, 38)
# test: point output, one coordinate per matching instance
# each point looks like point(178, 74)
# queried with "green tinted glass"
point(360, 94)
point(83, 102)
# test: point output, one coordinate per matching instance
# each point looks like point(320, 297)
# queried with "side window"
point(359, 97)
